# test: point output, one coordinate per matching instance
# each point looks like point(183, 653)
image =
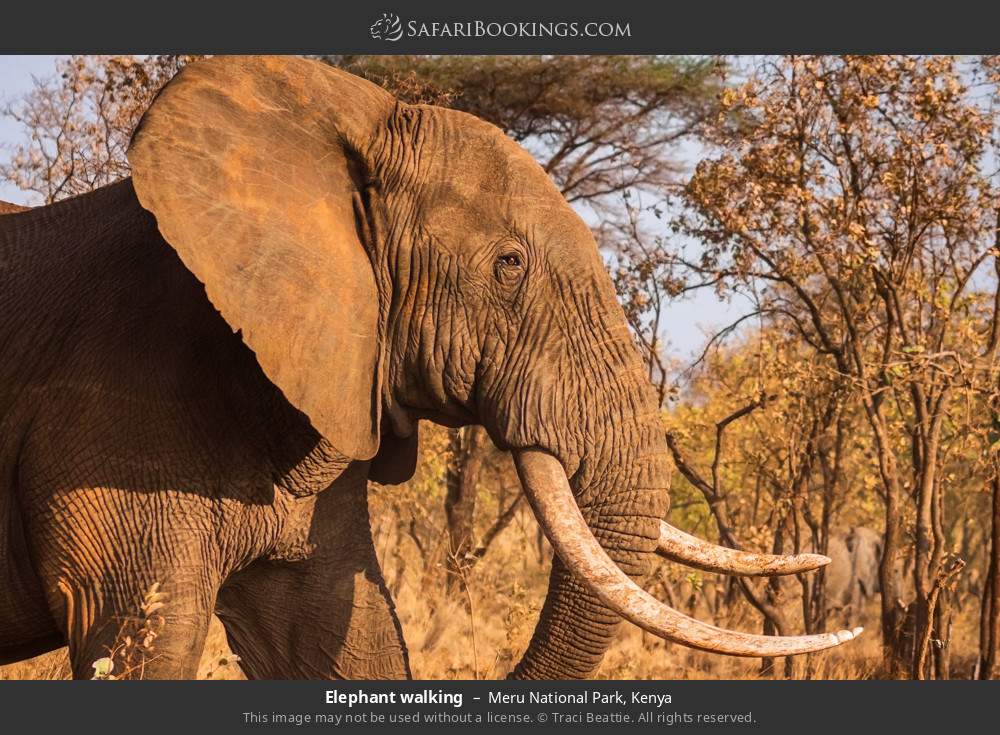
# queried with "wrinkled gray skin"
point(143, 440)
point(852, 576)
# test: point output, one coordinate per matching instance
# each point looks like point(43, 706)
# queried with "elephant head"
point(390, 263)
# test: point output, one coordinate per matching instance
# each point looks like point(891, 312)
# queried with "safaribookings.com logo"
point(390, 28)
point(387, 28)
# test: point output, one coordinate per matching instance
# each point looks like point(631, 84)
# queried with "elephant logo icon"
point(387, 28)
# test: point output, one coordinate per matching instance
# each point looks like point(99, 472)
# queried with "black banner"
point(440, 706)
point(453, 27)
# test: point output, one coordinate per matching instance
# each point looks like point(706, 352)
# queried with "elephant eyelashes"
point(508, 268)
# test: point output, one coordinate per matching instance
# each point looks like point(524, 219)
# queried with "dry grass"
point(506, 589)
point(217, 661)
point(54, 665)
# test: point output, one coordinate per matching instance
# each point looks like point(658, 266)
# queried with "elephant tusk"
point(547, 489)
point(676, 545)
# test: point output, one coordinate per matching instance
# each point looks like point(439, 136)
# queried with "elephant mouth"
point(548, 491)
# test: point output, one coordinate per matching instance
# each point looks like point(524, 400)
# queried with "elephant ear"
point(250, 166)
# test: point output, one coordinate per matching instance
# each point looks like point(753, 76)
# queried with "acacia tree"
point(78, 123)
point(854, 193)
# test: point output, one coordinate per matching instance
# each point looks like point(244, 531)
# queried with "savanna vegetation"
point(848, 208)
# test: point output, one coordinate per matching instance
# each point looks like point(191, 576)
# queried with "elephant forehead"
point(471, 223)
point(473, 157)
point(480, 187)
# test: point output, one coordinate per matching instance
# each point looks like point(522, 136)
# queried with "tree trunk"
point(772, 594)
point(468, 448)
point(989, 630)
point(944, 618)
point(894, 642)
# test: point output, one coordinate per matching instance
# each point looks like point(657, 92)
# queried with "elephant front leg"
point(146, 629)
point(319, 608)
point(141, 639)
point(142, 600)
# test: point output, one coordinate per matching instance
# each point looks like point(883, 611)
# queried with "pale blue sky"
point(15, 79)
point(687, 321)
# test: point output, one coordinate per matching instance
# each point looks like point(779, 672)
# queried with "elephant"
point(8, 208)
point(205, 363)
point(852, 577)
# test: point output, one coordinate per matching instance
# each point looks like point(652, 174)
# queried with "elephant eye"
point(511, 260)
point(508, 269)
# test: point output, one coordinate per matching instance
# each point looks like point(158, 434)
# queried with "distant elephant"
point(852, 577)
point(204, 364)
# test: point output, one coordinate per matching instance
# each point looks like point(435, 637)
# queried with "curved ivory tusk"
point(676, 545)
point(548, 491)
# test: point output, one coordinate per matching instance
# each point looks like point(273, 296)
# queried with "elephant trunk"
point(621, 500)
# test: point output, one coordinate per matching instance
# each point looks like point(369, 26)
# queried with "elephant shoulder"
point(136, 328)
point(8, 208)
point(65, 237)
